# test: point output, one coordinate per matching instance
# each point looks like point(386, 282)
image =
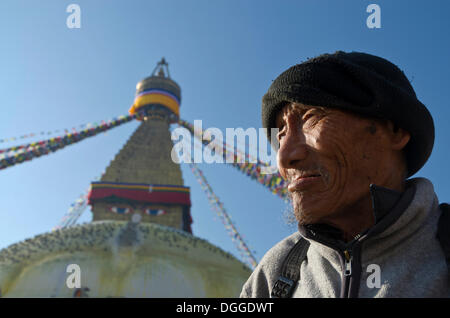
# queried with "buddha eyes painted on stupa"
point(122, 209)
point(155, 211)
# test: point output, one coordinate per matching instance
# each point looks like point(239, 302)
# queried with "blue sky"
point(223, 54)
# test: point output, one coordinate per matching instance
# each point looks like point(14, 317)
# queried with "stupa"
point(140, 241)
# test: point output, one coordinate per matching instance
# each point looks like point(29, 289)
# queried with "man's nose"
point(293, 148)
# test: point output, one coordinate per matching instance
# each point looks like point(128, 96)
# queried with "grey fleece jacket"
point(402, 245)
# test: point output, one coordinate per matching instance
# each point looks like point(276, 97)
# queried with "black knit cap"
point(362, 83)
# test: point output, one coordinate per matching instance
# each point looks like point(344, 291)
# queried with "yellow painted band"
point(155, 98)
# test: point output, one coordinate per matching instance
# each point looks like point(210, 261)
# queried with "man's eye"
point(308, 115)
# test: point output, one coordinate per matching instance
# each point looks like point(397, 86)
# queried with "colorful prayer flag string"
point(218, 207)
point(76, 209)
point(73, 214)
point(46, 133)
point(44, 147)
point(274, 182)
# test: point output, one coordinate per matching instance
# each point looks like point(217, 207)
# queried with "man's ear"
point(399, 136)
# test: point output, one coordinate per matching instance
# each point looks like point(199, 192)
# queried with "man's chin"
point(306, 214)
point(304, 219)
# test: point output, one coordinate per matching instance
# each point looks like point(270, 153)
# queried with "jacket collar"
point(383, 201)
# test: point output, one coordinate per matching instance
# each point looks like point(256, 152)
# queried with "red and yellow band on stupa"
point(148, 193)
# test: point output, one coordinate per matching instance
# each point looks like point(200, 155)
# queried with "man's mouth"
point(302, 182)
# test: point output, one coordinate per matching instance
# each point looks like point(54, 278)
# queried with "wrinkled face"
point(329, 157)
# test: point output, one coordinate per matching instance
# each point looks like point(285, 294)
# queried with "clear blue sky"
point(224, 55)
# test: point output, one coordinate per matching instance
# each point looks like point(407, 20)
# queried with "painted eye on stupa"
point(155, 212)
point(120, 210)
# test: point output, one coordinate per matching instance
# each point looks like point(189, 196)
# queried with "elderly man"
point(351, 131)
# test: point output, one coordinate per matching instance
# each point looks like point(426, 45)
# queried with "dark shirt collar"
point(383, 201)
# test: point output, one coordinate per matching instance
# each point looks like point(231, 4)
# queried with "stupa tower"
point(138, 244)
point(142, 183)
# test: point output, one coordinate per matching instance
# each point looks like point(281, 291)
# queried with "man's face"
point(329, 157)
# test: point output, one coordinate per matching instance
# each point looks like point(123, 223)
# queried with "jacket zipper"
point(348, 258)
point(348, 263)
